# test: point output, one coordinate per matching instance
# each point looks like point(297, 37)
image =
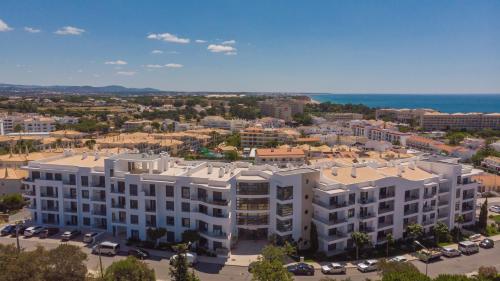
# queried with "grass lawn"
point(496, 218)
point(443, 244)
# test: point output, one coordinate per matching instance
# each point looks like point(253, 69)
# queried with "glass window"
point(134, 219)
point(284, 225)
point(86, 221)
point(284, 210)
point(86, 208)
point(134, 204)
point(85, 194)
point(169, 205)
point(284, 192)
point(185, 192)
point(169, 191)
point(245, 188)
point(185, 222)
point(133, 189)
point(185, 207)
point(170, 220)
point(85, 180)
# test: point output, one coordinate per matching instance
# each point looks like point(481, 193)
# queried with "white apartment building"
point(127, 193)
point(458, 121)
point(234, 125)
point(380, 134)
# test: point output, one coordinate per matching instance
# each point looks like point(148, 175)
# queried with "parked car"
point(106, 248)
point(368, 265)
point(301, 269)
point(475, 237)
point(487, 243)
point(68, 235)
point(8, 229)
point(20, 228)
point(333, 268)
point(495, 208)
point(398, 259)
point(138, 253)
point(429, 255)
point(90, 237)
point(192, 259)
point(450, 252)
point(49, 232)
point(468, 247)
point(33, 230)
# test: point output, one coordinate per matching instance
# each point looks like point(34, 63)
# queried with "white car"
point(398, 259)
point(192, 258)
point(495, 209)
point(475, 237)
point(368, 265)
point(450, 252)
point(333, 268)
point(90, 237)
point(33, 230)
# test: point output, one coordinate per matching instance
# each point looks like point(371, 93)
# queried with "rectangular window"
point(134, 219)
point(284, 225)
point(284, 210)
point(350, 213)
point(169, 191)
point(185, 222)
point(86, 208)
point(185, 207)
point(244, 188)
point(185, 192)
point(85, 180)
point(170, 220)
point(58, 177)
point(169, 205)
point(134, 204)
point(48, 176)
point(72, 179)
point(132, 189)
point(85, 194)
point(170, 236)
point(86, 221)
point(284, 192)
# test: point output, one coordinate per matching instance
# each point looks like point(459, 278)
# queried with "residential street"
point(209, 272)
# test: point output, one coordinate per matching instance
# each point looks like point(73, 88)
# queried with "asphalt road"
point(212, 272)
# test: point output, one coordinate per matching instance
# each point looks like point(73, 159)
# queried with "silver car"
point(450, 252)
point(333, 268)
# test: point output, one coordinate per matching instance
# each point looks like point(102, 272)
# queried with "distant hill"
point(112, 89)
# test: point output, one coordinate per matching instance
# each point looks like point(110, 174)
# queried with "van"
point(468, 247)
point(106, 248)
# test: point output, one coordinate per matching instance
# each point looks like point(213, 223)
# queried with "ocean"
point(449, 103)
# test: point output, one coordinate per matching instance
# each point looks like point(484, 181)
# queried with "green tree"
point(360, 239)
point(66, 262)
point(389, 240)
point(129, 269)
point(313, 235)
point(234, 140)
point(440, 232)
point(190, 236)
point(11, 202)
point(90, 144)
point(156, 125)
point(179, 268)
point(449, 277)
point(155, 233)
point(483, 216)
point(459, 220)
point(269, 266)
point(18, 128)
point(415, 231)
point(231, 155)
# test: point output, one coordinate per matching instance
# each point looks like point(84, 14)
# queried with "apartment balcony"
point(218, 202)
point(99, 212)
point(366, 229)
point(385, 224)
point(50, 222)
point(386, 195)
point(213, 234)
point(410, 212)
point(366, 216)
point(411, 198)
point(429, 209)
point(429, 195)
point(49, 195)
point(150, 209)
point(69, 196)
point(467, 207)
point(329, 222)
point(366, 201)
point(443, 203)
point(444, 190)
point(330, 206)
point(385, 210)
point(118, 206)
point(70, 210)
point(468, 196)
point(119, 220)
point(50, 209)
point(117, 191)
point(98, 199)
point(334, 237)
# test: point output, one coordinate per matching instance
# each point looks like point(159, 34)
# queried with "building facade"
point(125, 194)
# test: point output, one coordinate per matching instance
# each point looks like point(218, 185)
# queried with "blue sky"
point(399, 46)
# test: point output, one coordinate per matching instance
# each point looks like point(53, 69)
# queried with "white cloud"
point(116, 62)
point(228, 50)
point(126, 73)
point(168, 65)
point(229, 42)
point(4, 26)
point(173, 65)
point(31, 29)
point(69, 30)
point(200, 41)
point(156, 52)
point(167, 37)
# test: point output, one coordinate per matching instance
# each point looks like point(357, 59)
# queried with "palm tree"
point(440, 230)
point(360, 239)
point(389, 241)
point(459, 220)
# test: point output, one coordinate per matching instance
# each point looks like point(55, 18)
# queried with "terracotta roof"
point(279, 152)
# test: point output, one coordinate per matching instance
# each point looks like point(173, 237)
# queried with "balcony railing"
point(429, 195)
point(332, 205)
point(49, 194)
point(98, 198)
point(384, 224)
point(411, 198)
point(410, 212)
point(429, 208)
point(364, 201)
point(99, 212)
point(330, 221)
point(53, 208)
point(118, 206)
point(366, 229)
point(214, 234)
point(385, 210)
point(218, 202)
point(70, 210)
point(69, 196)
point(387, 195)
point(150, 209)
point(443, 202)
point(366, 216)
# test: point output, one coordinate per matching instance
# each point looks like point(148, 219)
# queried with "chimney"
point(412, 165)
point(400, 170)
point(96, 155)
point(334, 171)
point(210, 168)
point(353, 172)
point(84, 155)
point(221, 172)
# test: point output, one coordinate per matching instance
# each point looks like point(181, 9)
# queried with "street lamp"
point(427, 260)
